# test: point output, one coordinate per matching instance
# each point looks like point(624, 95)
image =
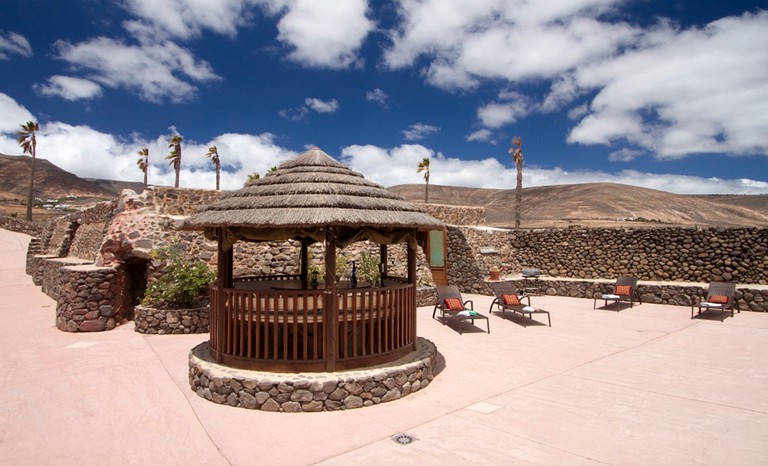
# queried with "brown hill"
point(50, 180)
point(599, 204)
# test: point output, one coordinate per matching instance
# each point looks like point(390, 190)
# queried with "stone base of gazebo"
point(311, 391)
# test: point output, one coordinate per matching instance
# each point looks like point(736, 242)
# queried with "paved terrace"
point(647, 385)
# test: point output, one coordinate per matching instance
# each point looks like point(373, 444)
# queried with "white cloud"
point(390, 167)
point(322, 106)
point(691, 91)
point(12, 43)
point(158, 20)
point(377, 95)
point(11, 116)
point(322, 34)
point(69, 88)
point(157, 72)
point(624, 155)
point(514, 40)
point(419, 131)
point(480, 135)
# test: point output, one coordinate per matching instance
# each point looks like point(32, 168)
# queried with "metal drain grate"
point(404, 439)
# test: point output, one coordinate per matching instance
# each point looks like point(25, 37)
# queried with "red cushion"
point(511, 299)
point(453, 304)
point(717, 299)
point(623, 290)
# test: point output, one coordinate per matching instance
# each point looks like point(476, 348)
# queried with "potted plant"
point(495, 273)
point(177, 301)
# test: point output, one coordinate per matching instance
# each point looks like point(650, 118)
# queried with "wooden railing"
point(287, 330)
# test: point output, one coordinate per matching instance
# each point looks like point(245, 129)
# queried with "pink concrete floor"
point(646, 385)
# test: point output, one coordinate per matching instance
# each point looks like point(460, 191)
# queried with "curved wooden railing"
point(287, 330)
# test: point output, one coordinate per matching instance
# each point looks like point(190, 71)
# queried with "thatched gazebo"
point(284, 323)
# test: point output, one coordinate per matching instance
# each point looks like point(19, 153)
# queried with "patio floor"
point(646, 385)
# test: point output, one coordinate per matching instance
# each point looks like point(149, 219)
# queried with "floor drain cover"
point(403, 439)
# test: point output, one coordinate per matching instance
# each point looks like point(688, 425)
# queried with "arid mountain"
point(51, 182)
point(599, 204)
point(591, 204)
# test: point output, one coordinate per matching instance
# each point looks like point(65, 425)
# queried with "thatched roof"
point(303, 197)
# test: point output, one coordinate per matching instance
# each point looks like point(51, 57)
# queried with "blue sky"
point(665, 94)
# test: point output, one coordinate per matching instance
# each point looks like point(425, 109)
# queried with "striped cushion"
point(453, 304)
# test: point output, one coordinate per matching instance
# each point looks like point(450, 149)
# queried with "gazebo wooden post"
point(412, 245)
point(331, 317)
point(223, 281)
point(383, 262)
point(304, 263)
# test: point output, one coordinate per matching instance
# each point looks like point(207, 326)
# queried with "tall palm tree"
point(424, 167)
point(143, 163)
point(213, 153)
point(517, 155)
point(27, 138)
point(175, 156)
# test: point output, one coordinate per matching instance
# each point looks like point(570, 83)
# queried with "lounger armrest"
point(471, 304)
point(527, 298)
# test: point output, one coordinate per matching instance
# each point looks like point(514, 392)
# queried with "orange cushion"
point(510, 299)
point(623, 290)
point(717, 299)
point(453, 304)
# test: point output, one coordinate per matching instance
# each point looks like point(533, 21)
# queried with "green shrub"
point(184, 283)
point(368, 268)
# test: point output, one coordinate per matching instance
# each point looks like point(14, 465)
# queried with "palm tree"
point(143, 163)
point(424, 167)
point(213, 153)
point(517, 155)
point(27, 138)
point(175, 156)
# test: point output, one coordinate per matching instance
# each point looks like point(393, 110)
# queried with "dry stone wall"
point(87, 299)
point(92, 226)
point(311, 392)
point(456, 215)
point(661, 254)
point(171, 321)
point(21, 226)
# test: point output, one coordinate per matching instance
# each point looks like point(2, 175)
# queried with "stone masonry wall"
point(583, 257)
point(456, 215)
point(663, 254)
point(171, 321)
point(93, 224)
point(21, 226)
point(87, 299)
point(178, 201)
point(311, 392)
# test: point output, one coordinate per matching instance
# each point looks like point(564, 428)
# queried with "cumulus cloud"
point(467, 41)
point(12, 43)
point(419, 131)
point(377, 95)
point(394, 166)
point(480, 135)
point(691, 91)
point(163, 72)
point(12, 114)
point(311, 104)
point(69, 88)
point(624, 155)
point(669, 90)
point(159, 20)
point(322, 106)
point(314, 34)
